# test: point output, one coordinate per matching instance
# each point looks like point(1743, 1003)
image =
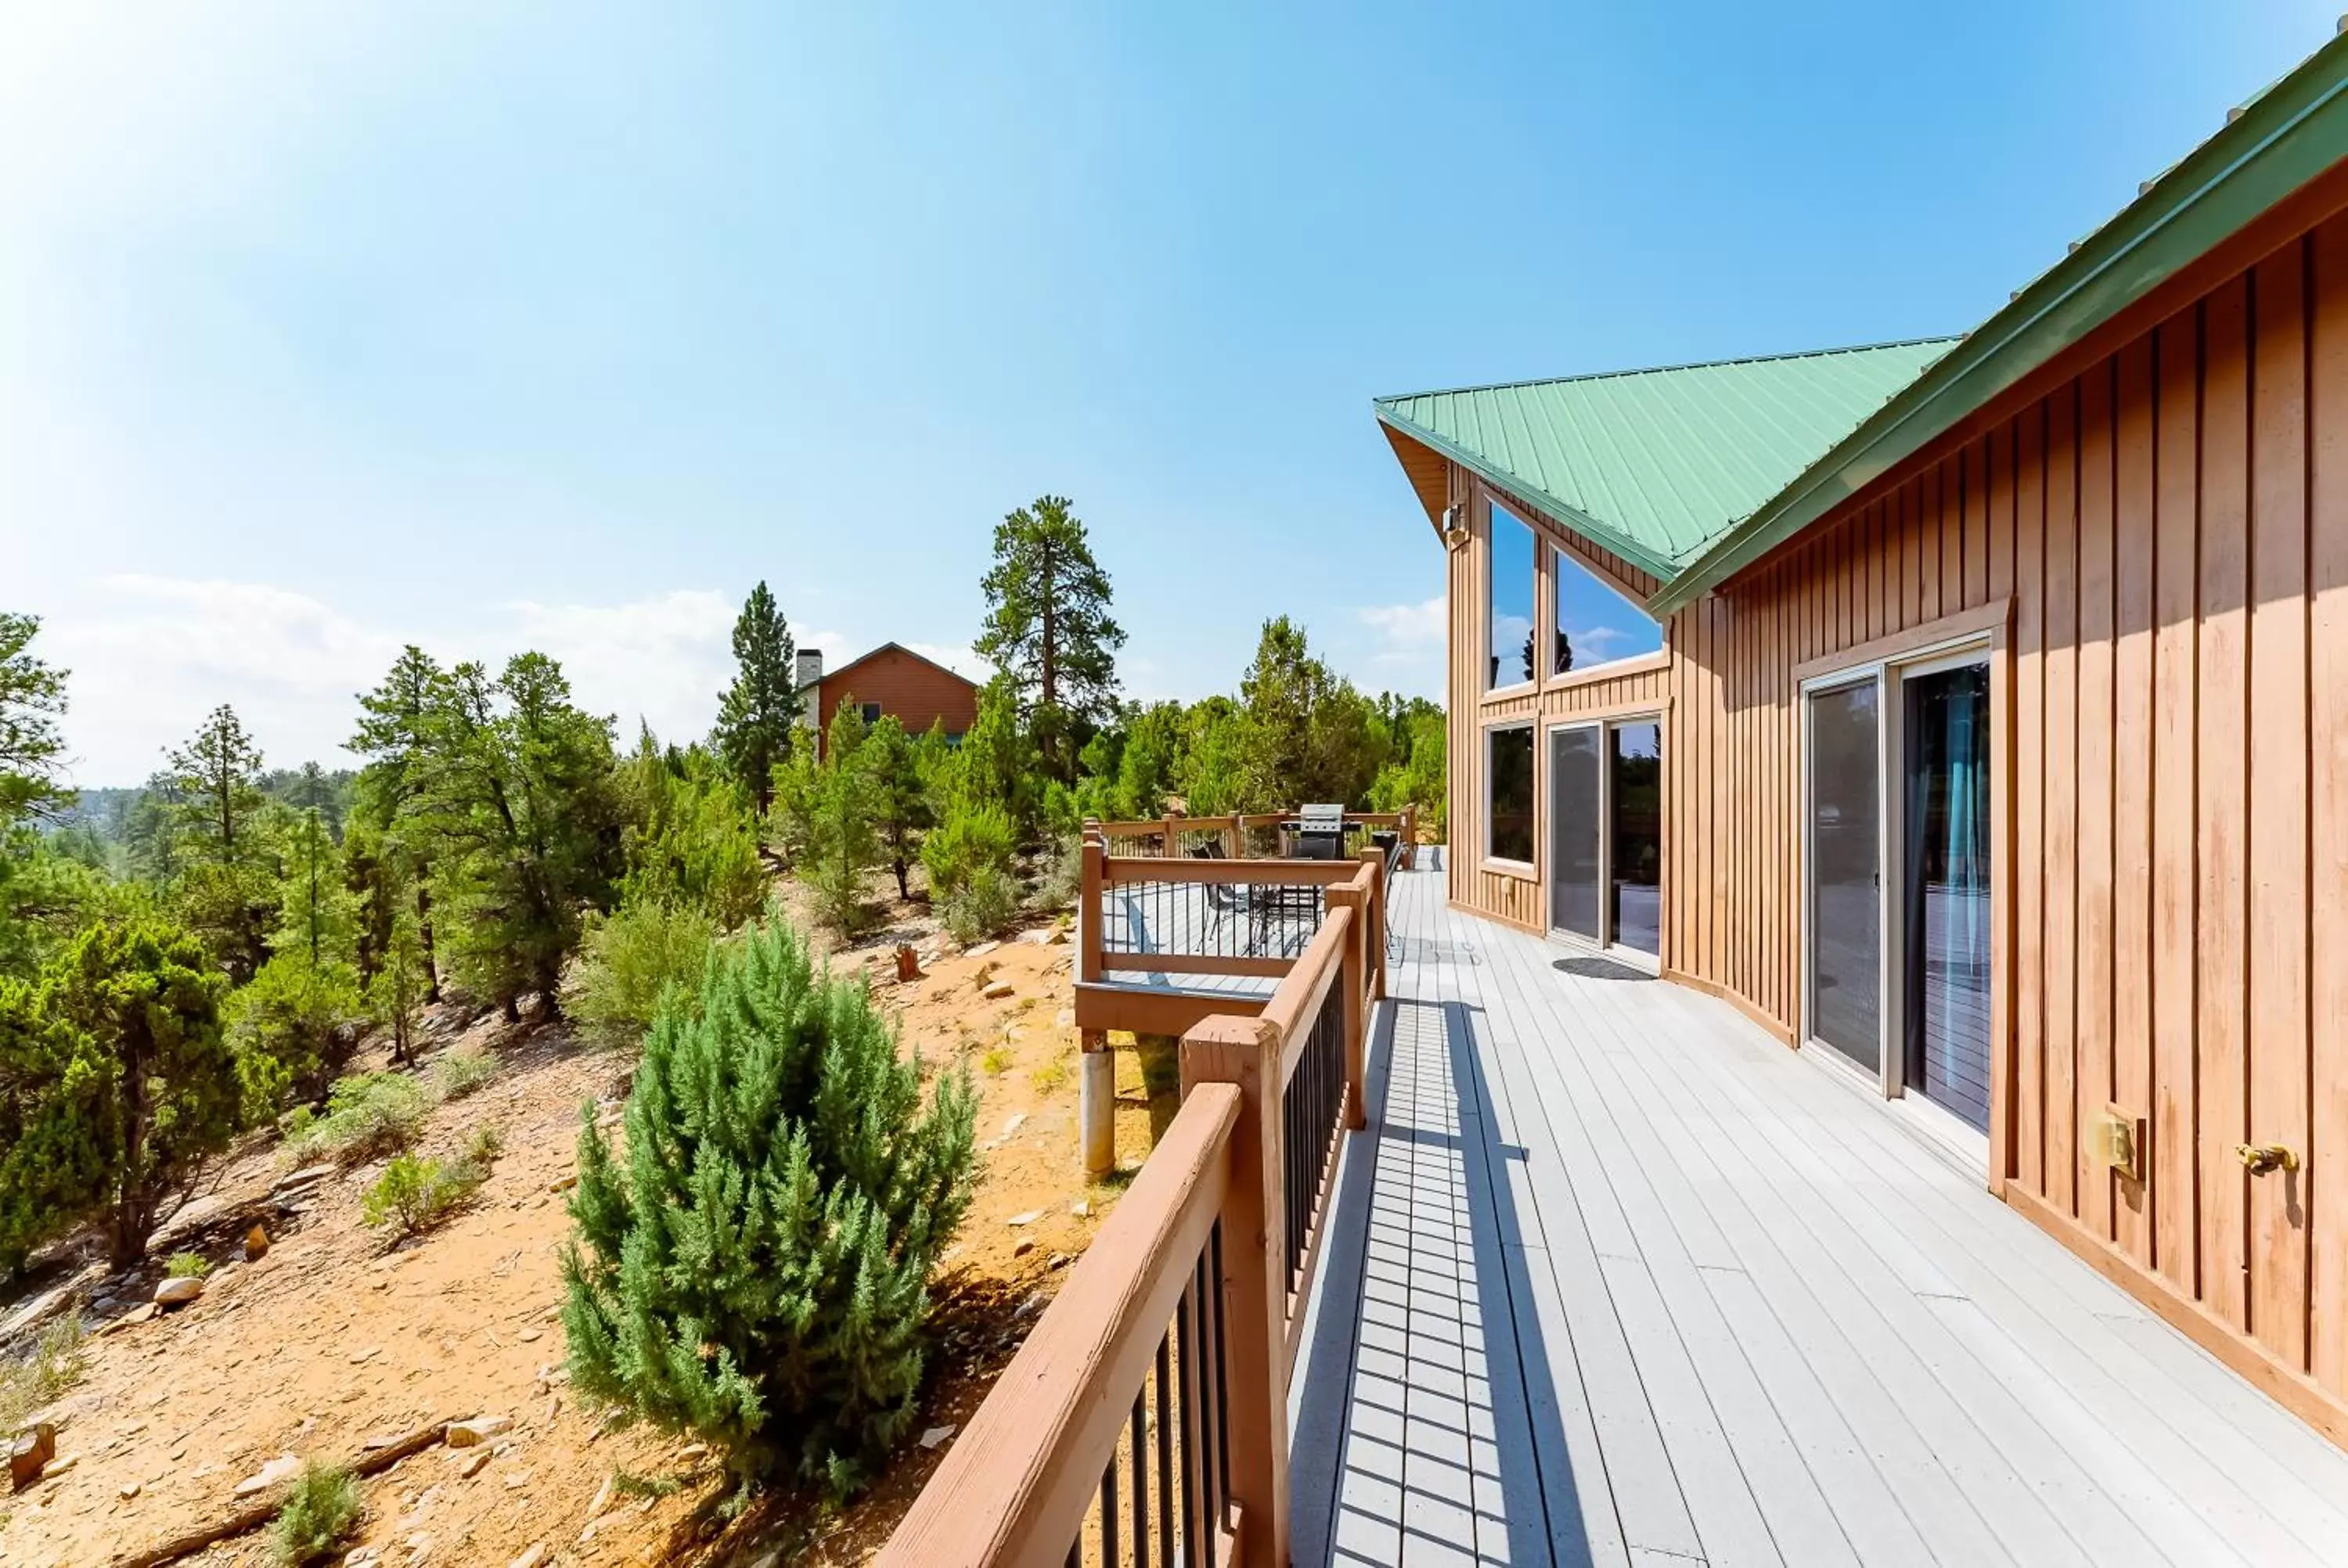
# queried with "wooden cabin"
point(1993, 743)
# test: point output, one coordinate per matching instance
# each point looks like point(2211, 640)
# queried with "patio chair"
point(1223, 899)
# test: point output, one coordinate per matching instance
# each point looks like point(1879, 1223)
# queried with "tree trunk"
point(513, 1010)
point(424, 934)
point(904, 892)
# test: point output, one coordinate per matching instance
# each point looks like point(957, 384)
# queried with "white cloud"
point(1595, 636)
point(150, 656)
point(1407, 645)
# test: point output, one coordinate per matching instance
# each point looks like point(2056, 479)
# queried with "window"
point(1593, 624)
point(871, 712)
point(1508, 794)
point(1510, 612)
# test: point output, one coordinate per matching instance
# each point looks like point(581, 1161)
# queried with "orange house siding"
point(2157, 531)
point(916, 692)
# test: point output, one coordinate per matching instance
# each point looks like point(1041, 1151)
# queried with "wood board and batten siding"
point(2153, 532)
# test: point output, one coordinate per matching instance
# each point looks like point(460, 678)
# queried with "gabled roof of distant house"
point(1629, 460)
point(863, 659)
point(1654, 464)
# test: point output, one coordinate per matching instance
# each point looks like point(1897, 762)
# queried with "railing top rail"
point(1143, 826)
point(1122, 868)
point(1019, 1480)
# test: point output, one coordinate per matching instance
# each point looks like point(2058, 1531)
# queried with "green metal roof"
point(1654, 464)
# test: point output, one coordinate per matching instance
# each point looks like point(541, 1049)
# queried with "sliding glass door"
point(1845, 862)
point(1606, 834)
point(1945, 888)
point(1577, 787)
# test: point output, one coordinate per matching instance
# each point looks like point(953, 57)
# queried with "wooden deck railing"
point(1145, 1419)
point(1248, 835)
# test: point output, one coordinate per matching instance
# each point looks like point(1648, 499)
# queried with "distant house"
point(893, 679)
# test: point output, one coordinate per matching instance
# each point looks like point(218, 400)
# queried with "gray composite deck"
point(1617, 1279)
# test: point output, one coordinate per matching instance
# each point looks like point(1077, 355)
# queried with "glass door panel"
point(1575, 782)
point(1634, 916)
point(1946, 889)
point(1846, 978)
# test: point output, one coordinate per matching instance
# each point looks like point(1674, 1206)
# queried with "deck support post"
point(1409, 836)
point(1097, 1104)
point(1373, 935)
point(1353, 974)
point(1246, 1051)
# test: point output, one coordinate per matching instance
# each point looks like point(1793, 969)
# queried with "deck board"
point(1616, 1279)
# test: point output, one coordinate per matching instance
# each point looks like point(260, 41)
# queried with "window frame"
point(1555, 557)
point(1524, 870)
point(1494, 509)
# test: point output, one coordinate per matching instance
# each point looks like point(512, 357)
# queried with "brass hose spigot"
point(2258, 1159)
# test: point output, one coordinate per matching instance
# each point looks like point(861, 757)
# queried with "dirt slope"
point(329, 1342)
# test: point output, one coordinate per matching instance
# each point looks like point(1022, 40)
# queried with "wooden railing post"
point(1410, 836)
point(1097, 1064)
point(1374, 937)
point(1246, 1051)
point(1233, 841)
point(1351, 982)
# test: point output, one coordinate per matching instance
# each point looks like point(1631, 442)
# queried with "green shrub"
point(629, 959)
point(320, 1511)
point(458, 1073)
point(55, 1363)
point(413, 1195)
point(756, 1272)
point(293, 1028)
point(484, 1146)
point(1064, 875)
point(966, 841)
point(187, 1265)
point(982, 907)
point(369, 1116)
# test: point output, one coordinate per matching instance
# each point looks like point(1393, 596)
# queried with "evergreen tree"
point(32, 701)
point(834, 807)
point(400, 985)
point(219, 834)
point(397, 730)
point(1048, 628)
point(1305, 734)
point(900, 800)
point(127, 1087)
point(294, 1026)
point(690, 838)
point(756, 715)
point(523, 814)
point(753, 1270)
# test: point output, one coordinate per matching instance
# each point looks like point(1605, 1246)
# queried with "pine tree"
point(753, 1269)
point(398, 726)
point(1304, 733)
point(32, 701)
point(1048, 628)
point(523, 813)
point(127, 1087)
point(293, 1025)
point(900, 802)
point(401, 984)
point(757, 713)
point(225, 880)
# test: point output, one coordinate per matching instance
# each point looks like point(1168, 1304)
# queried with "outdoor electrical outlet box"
point(2119, 1142)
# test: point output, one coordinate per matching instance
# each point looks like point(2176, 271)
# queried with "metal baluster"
point(1186, 1361)
point(1140, 1486)
point(1164, 1460)
point(1109, 1556)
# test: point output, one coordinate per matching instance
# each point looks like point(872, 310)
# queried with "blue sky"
point(328, 328)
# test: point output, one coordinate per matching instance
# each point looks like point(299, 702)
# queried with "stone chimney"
point(810, 667)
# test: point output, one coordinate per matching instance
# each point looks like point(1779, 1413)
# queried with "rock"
point(177, 1292)
point(1062, 1259)
point(530, 1335)
point(29, 1453)
point(480, 1429)
point(564, 1185)
point(49, 1304)
point(59, 1466)
point(1016, 1120)
point(532, 1558)
point(307, 1176)
point(361, 1357)
point(128, 1489)
point(1082, 1208)
point(602, 1498)
point(256, 1245)
point(284, 1467)
point(1059, 936)
point(936, 1435)
point(1026, 1244)
point(692, 1451)
point(996, 991)
point(909, 963)
point(981, 950)
point(1040, 937)
point(1065, 1018)
point(1029, 1218)
point(474, 1462)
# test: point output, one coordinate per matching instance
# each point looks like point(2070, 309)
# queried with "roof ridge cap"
point(1950, 339)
